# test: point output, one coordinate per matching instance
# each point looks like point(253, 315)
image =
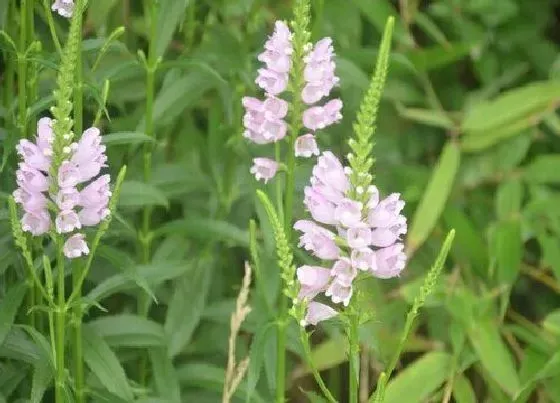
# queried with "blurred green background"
point(468, 132)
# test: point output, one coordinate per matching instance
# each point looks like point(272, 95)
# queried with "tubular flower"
point(361, 238)
point(64, 8)
point(78, 202)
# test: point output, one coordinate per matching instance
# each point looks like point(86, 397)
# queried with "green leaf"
point(42, 377)
point(257, 356)
point(508, 250)
point(511, 106)
point(420, 379)
point(544, 169)
point(165, 375)
point(493, 354)
point(206, 229)
point(126, 330)
point(434, 198)
point(550, 369)
point(477, 141)
point(154, 274)
point(139, 194)
point(170, 14)
point(508, 199)
point(430, 58)
point(377, 12)
point(325, 355)
point(187, 306)
point(203, 375)
point(429, 117)
point(126, 138)
point(105, 365)
point(9, 307)
point(462, 390)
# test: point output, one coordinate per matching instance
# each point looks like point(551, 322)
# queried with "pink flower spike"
point(358, 237)
point(339, 293)
point(68, 175)
point(75, 246)
point(264, 168)
point(344, 272)
point(390, 261)
point(349, 213)
point(306, 146)
point(67, 221)
point(64, 8)
point(36, 222)
point(317, 312)
point(363, 259)
point(313, 280)
point(317, 240)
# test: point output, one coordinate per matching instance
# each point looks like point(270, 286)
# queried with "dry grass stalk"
point(235, 371)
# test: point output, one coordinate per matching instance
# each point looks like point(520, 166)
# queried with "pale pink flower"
point(319, 72)
point(386, 213)
point(329, 171)
point(278, 49)
point(321, 209)
point(383, 237)
point(274, 108)
point(75, 246)
point(363, 259)
point(30, 201)
point(306, 146)
point(348, 213)
point(68, 175)
point(390, 261)
point(45, 135)
point(89, 154)
point(33, 156)
point(358, 237)
point(67, 198)
point(271, 82)
point(264, 168)
point(64, 8)
point(91, 216)
point(313, 280)
point(339, 292)
point(36, 222)
point(97, 193)
point(67, 221)
point(317, 312)
point(318, 240)
point(344, 271)
point(31, 179)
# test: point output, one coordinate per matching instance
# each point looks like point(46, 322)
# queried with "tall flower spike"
point(35, 177)
point(369, 229)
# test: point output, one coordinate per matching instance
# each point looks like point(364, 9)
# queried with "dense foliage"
point(467, 131)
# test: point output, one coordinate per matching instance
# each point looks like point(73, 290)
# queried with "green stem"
point(60, 327)
point(354, 358)
point(146, 236)
point(298, 82)
point(22, 69)
point(78, 271)
point(304, 338)
point(52, 29)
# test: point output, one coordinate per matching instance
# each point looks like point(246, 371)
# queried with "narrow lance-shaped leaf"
point(434, 198)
